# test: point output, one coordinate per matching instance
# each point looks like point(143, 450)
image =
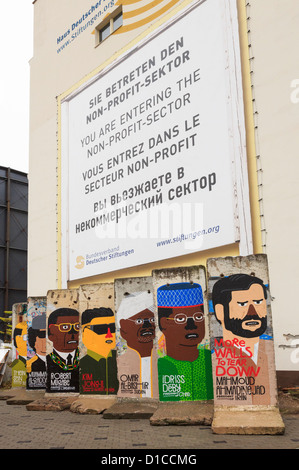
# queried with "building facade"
point(115, 85)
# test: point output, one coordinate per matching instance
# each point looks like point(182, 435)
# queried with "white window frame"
point(108, 20)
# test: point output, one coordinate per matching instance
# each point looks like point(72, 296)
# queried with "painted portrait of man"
point(137, 366)
point(63, 361)
point(98, 368)
point(19, 372)
point(185, 371)
point(36, 366)
point(240, 306)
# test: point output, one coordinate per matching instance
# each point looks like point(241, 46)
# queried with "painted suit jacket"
point(60, 380)
point(98, 375)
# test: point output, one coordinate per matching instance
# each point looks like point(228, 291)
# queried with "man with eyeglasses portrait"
point(98, 367)
point(63, 361)
point(137, 364)
point(185, 371)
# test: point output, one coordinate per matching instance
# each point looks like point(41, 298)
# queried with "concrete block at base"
point(131, 410)
point(5, 394)
point(22, 396)
point(91, 405)
point(183, 414)
point(248, 421)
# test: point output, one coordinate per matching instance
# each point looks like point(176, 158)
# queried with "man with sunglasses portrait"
point(63, 361)
point(98, 368)
point(185, 371)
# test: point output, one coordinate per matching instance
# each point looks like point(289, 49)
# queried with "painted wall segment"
point(98, 364)
point(63, 338)
point(241, 331)
point(137, 356)
point(36, 346)
point(184, 358)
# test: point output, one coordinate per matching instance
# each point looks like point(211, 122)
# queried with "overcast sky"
point(16, 39)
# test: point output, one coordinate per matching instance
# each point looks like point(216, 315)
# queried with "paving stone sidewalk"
point(23, 429)
point(59, 428)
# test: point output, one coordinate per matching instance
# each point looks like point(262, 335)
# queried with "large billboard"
point(153, 153)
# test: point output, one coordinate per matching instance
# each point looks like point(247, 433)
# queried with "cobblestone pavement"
point(23, 429)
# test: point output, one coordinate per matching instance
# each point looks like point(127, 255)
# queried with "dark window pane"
point(104, 32)
point(117, 21)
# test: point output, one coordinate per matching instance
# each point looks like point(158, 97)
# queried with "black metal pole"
point(6, 295)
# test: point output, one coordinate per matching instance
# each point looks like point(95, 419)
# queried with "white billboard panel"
point(152, 149)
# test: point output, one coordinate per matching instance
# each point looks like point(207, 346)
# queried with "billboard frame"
point(241, 189)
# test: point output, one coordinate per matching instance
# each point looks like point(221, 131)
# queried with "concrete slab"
point(288, 403)
point(6, 393)
point(50, 404)
point(131, 410)
point(92, 405)
point(22, 396)
point(183, 413)
point(258, 421)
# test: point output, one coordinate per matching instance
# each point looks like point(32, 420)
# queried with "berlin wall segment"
point(179, 335)
point(241, 331)
point(63, 325)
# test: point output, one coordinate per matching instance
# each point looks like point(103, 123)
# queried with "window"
point(109, 25)
point(104, 32)
point(118, 21)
